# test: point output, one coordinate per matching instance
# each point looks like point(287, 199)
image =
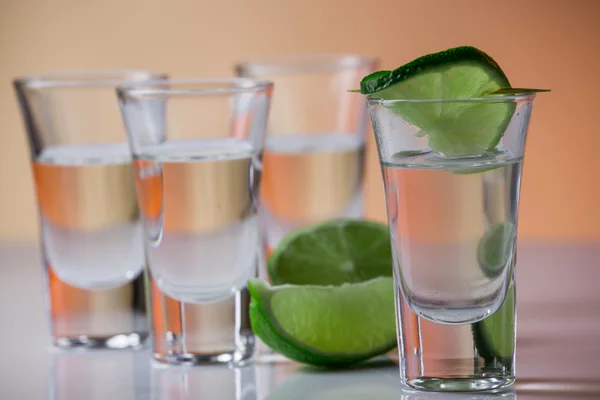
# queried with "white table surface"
point(558, 350)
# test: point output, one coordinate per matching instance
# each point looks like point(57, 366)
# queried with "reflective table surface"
point(558, 350)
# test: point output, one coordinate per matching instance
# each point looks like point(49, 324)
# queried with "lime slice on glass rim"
point(329, 326)
point(457, 126)
point(332, 253)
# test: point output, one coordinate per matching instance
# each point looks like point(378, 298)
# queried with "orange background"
point(539, 43)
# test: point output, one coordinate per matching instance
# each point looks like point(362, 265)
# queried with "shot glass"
point(315, 149)
point(197, 147)
point(91, 235)
point(453, 225)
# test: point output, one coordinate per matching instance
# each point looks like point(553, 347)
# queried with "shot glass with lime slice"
point(451, 133)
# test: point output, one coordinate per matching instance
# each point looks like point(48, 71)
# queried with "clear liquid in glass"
point(310, 178)
point(198, 201)
point(439, 210)
point(92, 244)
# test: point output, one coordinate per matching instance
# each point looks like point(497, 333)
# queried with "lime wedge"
point(332, 253)
point(495, 336)
point(462, 128)
point(328, 326)
point(495, 248)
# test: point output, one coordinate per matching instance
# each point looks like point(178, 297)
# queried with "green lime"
point(459, 128)
point(495, 335)
point(332, 253)
point(495, 248)
point(329, 326)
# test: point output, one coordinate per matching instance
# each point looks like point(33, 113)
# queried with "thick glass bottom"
point(119, 341)
point(238, 358)
point(474, 384)
point(188, 334)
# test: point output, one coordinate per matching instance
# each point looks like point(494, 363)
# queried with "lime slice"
point(495, 336)
point(461, 128)
point(332, 253)
point(325, 325)
point(495, 248)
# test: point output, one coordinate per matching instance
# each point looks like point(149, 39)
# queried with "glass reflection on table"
point(98, 375)
point(374, 380)
point(215, 382)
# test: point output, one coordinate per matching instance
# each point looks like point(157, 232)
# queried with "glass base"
point(237, 358)
point(134, 340)
point(460, 384)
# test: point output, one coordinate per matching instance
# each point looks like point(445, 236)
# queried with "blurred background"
point(539, 43)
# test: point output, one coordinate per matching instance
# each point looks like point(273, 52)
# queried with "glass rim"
point(156, 88)
point(86, 79)
point(498, 98)
point(309, 62)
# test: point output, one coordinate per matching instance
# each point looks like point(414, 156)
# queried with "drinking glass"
point(453, 225)
point(315, 148)
point(91, 235)
point(197, 153)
